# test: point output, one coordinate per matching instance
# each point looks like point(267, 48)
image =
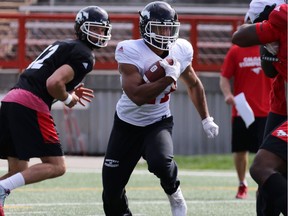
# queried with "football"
point(155, 71)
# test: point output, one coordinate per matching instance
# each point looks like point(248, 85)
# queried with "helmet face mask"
point(161, 35)
point(159, 25)
point(92, 25)
point(96, 34)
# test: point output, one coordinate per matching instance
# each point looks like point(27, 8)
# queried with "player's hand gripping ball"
point(155, 72)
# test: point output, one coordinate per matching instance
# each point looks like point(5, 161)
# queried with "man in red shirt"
point(269, 168)
point(243, 65)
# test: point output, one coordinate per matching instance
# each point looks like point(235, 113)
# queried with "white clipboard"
point(244, 109)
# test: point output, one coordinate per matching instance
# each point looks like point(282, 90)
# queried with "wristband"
point(269, 58)
point(68, 100)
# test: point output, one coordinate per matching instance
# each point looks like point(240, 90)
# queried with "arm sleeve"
point(126, 53)
point(270, 30)
point(266, 33)
point(80, 60)
point(184, 53)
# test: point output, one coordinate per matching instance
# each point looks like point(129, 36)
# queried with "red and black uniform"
point(272, 192)
point(26, 107)
point(275, 29)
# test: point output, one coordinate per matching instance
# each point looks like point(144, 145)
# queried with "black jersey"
point(71, 52)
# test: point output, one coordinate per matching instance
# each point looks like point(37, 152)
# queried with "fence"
point(24, 36)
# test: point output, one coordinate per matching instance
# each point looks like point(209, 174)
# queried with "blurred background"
point(27, 27)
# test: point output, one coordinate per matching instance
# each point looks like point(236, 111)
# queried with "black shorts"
point(247, 139)
point(272, 143)
point(26, 133)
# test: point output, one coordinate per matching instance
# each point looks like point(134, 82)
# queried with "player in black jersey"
point(27, 128)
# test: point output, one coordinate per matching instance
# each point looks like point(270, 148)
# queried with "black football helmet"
point(159, 25)
point(89, 18)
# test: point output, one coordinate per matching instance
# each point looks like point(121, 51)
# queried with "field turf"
point(78, 193)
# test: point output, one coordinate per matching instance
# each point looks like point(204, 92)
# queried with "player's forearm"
point(246, 36)
point(146, 92)
point(197, 96)
point(57, 90)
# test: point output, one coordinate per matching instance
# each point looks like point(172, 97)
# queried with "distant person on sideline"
point(243, 66)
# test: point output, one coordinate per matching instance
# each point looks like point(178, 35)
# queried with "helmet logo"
point(146, 13)
point(80, 16)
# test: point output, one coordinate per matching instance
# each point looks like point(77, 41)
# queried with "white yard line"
point(142, 202)
point(82, 164)
point(209, 173)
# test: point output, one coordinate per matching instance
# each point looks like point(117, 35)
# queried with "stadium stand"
point(13, 5)
point(143, 2)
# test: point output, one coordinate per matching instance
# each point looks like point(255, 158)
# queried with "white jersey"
point(136, 52)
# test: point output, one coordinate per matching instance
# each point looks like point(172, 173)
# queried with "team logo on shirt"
point(250, 62)
point(256, 70)
point(85, 65)
point(121, 49)
point(281, 132)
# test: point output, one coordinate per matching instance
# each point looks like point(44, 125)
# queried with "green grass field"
point(78, 192)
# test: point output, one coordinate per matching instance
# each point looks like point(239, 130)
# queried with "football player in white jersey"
point(143, 122)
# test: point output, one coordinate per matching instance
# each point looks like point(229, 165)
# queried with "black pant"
point(127, 144)
point(265, 205)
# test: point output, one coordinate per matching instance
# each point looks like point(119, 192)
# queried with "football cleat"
point(1, 211)
point(3, 194)
point(242, 192)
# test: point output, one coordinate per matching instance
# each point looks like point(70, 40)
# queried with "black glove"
point(267, 60)
point(265, 13)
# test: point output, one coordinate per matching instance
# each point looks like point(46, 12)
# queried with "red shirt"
point(243, 64)
point(275, 29)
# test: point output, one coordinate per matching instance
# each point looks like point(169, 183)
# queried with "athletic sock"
point(275, 187)
point(13, 181)
point(244, 183)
